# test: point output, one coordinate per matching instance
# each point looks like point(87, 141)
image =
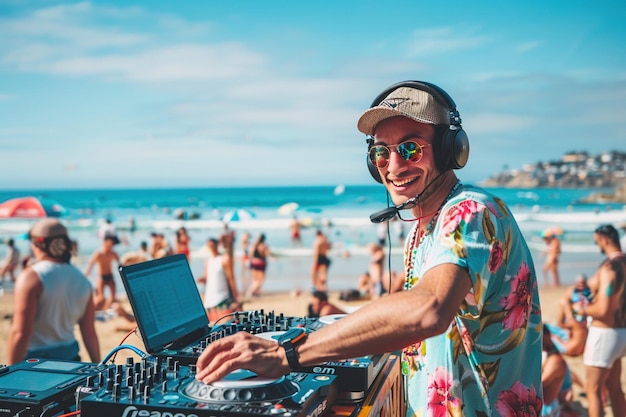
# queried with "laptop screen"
point(165, 300)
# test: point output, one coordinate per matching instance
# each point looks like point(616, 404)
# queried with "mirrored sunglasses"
point(410, 151)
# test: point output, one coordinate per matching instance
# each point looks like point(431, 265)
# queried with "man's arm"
point(28, 289)
point(600, 307)
point(88, 331)
point(391, 323)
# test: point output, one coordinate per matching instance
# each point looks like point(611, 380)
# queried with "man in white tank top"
point(220, 293)
point(51, 297)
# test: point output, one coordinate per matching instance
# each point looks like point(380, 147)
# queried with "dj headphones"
point(450, 148)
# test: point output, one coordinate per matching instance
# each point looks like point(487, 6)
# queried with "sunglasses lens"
point(410, 151)
point(379, 155)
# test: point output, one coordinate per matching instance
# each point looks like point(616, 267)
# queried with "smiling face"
point(405, 179)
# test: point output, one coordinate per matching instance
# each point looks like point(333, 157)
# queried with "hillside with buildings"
point(574, 169)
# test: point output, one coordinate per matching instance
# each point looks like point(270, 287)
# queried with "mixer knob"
point(131, 394)
point(146, 393)
point(129, 361)
point(192, 368)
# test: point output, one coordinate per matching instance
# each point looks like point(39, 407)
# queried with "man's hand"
point(241, 351)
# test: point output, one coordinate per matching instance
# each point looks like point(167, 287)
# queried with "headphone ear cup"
point(454, 150)
point(373, 170)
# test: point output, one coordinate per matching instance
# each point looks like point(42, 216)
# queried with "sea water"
point(342, 212)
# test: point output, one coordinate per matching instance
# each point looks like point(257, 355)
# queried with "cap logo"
point(393, 102)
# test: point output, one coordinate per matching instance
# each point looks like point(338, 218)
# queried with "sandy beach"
point(111, 331)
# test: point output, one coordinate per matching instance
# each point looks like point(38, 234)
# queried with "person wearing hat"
point(469, 320)
point(51, 297)
point(104, 259)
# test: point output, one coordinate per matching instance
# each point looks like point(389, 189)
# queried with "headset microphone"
point(391, 212)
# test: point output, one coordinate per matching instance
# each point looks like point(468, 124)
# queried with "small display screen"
point(58, 366)
point(26, 380)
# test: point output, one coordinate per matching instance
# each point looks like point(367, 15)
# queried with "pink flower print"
point(439, 395)
point(517, 303)
point(461, 212)
point(496, 255)
point(519, 401)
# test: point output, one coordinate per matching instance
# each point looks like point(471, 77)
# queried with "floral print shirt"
point(488, 362)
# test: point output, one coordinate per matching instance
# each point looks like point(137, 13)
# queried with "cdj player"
point(38, 387)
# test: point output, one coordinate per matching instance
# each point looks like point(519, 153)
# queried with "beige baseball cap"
point(48, 228)
point(408, 102)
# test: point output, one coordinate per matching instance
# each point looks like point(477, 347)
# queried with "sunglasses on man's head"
point(410, 151)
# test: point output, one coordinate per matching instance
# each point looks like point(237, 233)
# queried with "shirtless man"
point(321, 262)
point(606, 341)
point(104, 258)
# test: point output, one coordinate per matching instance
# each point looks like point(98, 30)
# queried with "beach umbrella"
point(288, 208)
point(30, 208)
point(237, 215)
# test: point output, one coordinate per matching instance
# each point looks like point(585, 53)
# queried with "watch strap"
point(292, 356)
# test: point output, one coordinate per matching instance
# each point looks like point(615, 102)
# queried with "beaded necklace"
point(414, 244)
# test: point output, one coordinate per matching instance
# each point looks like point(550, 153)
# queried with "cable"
point(122, 341)
point(73, 413)
point(138, 351)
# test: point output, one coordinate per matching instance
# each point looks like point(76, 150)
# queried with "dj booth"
point(174, 329)
point(162, 388)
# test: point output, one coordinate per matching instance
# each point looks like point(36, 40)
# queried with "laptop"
point(167, 307)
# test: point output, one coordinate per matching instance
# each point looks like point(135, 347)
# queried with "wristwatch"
point(289, 340)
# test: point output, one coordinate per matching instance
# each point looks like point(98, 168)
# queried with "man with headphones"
point(51, 297)
point(469, 321)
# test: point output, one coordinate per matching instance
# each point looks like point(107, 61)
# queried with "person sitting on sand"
point(576, 298)
point(320, 306)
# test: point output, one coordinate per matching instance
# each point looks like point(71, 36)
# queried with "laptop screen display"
point(165, 300)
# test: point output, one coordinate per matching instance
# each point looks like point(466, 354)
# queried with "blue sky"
point(205, 93)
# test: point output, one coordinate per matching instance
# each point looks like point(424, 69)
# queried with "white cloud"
point(443, 40)
point(528, 46)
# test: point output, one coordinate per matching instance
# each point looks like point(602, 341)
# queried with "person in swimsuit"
point(606, 341)
point(104, 258)
point(553, 251)
point(296, 239)
point(321, 261)
point(182, 241)
point(258, 264)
